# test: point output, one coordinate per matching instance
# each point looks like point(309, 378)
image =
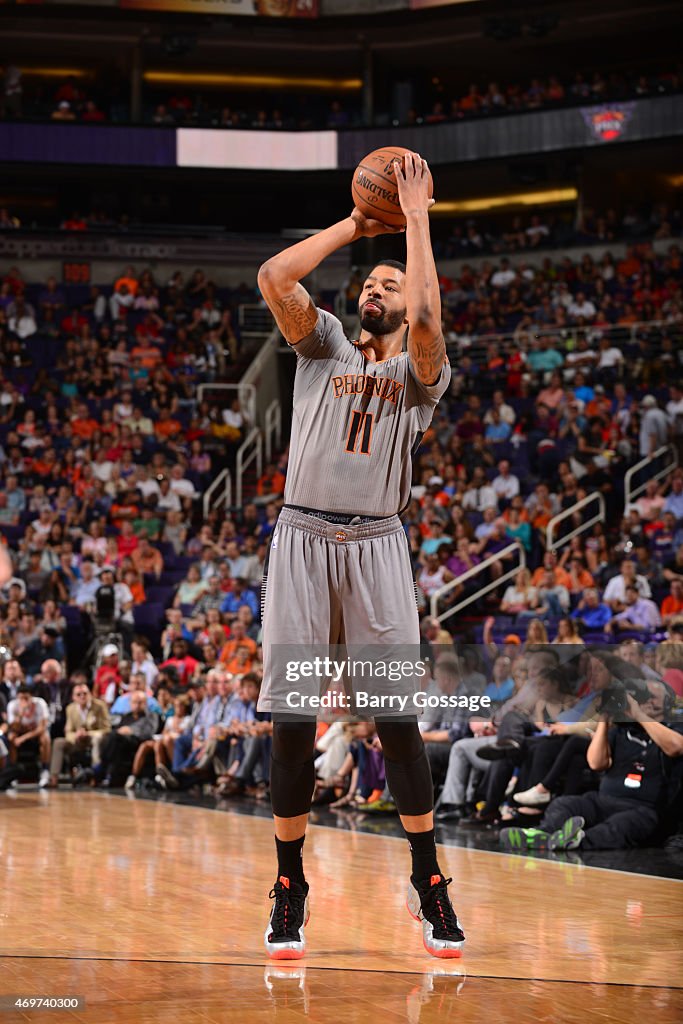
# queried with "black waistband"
point(337, 518)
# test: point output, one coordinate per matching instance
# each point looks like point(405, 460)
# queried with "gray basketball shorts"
point(327, 584)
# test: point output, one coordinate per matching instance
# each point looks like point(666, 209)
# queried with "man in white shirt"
point(581, 307)
point(609, 356)
point(506, 484)
point(479, 495)
point(102, 467)
point(582, 356)
point(146, 482)
point(22, 321)
point(615, 591)
point(179, 485)
point(169, 501)
point(504, 277)
point(505, 411)
point(28, 718)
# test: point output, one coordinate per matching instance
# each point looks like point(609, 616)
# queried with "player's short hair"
point(396, 264)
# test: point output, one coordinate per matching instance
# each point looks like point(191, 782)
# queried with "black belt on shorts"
point(337, 518)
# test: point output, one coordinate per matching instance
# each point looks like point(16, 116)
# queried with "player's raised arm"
point(279, 278)
point(426, 346)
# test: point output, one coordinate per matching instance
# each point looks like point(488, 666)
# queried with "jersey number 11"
point(361, 427)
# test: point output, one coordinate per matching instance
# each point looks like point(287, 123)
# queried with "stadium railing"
point(249, 452)
point(631, 491)
point(473, 573)
point(219, 494)
point(272, 429)
point(255, 321)
point(569, 513)
point(245, 392)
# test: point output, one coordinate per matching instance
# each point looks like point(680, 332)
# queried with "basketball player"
point(6, 567)
point(339, 568)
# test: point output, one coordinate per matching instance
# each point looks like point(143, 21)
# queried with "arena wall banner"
point(253, 150)
point(263, 8)
point(87, 144)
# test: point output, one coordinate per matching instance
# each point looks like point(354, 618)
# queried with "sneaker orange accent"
point(285, 881)
point(434, 880)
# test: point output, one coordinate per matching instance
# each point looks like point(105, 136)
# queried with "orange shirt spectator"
point(472, 101)
point(135, 585)
point(630, 264)
point(671, 606)
point(230, 654)
point(271, 482)
point(579, 580)
point(84, 426)
point(148, 354)
point(122, 511)
point(562, 578)
point(165, 426)
point(127, 279)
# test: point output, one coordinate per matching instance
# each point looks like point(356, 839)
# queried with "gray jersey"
point(354, 425)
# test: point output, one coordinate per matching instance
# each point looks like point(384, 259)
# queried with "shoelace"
point(288, 910)
point(438, 909)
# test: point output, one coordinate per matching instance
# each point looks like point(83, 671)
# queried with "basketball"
point(374, 188)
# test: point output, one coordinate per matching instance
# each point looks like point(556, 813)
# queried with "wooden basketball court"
point(152, 911)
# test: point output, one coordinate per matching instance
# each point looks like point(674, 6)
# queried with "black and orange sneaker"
point(284, 936)
point(430, 903)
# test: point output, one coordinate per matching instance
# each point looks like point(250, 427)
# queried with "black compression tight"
point(292, 774)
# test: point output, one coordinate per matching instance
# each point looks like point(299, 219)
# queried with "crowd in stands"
point(527, 234)
point(83, 100)
point(131, 627)
point(548, 93)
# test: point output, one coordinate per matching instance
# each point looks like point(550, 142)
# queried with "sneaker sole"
point(572, 839)
point(288, 953)
point(441, 954)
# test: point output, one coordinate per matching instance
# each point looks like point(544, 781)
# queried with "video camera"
point(614, 702)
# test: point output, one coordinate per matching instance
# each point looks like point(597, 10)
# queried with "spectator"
point(640, 613)
point(118, 747)
point(609, 819)
point(615, 591)
point(28, 721)
point(654, 428)
point(87, 722)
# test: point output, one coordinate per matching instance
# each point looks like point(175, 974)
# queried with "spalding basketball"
point(374, 187)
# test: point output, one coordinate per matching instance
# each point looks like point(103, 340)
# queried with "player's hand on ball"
point(368, 228)
point(412, 178)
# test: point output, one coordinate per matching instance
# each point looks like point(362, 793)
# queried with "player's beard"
point(387, 323)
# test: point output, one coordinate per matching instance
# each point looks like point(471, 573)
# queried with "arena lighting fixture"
point(547, 196)
point(252, 81)
point(56, 72)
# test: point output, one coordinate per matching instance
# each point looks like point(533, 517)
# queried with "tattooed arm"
point(426, 346)
point(279, 277)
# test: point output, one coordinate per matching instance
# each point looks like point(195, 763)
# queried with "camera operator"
point(635, 754)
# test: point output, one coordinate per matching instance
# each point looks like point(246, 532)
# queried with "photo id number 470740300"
point(41, 1003)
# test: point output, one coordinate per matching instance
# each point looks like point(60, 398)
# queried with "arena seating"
point(564, 377)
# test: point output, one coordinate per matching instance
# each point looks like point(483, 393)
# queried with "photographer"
point(635, 756)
